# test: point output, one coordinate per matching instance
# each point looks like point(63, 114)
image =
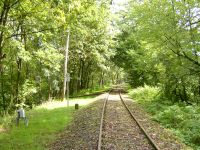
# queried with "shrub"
point(171, 117)
point(144, 94)
point(6, 121)
point(182, 119)
point(191, 129)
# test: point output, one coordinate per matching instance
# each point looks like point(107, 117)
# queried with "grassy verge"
point(181, 119)
point(44, 122)
point(91, 92)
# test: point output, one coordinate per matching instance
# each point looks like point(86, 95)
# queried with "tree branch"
point(182, 53)
point(33, 32)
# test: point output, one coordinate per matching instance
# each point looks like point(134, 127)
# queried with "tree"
point(165, 34)
point(32, 41)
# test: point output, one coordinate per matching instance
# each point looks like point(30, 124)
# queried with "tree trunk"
point(19, 61)
point(79, 76)
point(3, 94)
point(3, 21)
point(50, 90)
point(82, 74)
point(101, 83)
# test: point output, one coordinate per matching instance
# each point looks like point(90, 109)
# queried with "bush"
point(171, 117)
point(183, 120)
point(6, 121)
point(91, 91)
point(144, 94)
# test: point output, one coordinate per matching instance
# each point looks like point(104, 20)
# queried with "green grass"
point(181, 119)
point(83, 97)
point(45, 121)
point(42, 128)
point(91, 91)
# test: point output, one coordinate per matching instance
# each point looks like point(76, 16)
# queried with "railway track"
point(136, 136)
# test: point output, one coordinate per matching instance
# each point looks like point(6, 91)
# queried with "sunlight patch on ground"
point(114, 97)
point(2, 129)
point(59, 104)
point(126, 97)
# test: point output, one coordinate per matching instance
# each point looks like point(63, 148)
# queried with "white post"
point(65, 70)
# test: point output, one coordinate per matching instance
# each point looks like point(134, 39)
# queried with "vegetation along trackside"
point(63, 49)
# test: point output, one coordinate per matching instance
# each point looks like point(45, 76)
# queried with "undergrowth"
point(91, 91)
point(182, 119)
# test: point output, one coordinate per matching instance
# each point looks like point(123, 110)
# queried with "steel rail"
point(140, 126)
point(101, 123)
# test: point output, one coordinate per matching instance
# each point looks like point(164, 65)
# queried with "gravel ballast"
point(120, 132)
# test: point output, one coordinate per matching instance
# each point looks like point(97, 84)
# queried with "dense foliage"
point(182, 119)
point(32, 42)
point(159, 45)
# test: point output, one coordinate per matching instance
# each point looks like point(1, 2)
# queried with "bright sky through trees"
point(118, 5)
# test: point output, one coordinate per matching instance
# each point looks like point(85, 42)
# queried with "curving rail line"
point(99, 146)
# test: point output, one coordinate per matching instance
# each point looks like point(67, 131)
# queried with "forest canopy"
point(159, 46)
point(155, 42)
point(32, 46)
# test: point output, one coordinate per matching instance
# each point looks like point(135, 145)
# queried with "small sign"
point(21, 113)
point(68, 77)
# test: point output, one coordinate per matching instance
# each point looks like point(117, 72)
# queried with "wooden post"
point(76, 106)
